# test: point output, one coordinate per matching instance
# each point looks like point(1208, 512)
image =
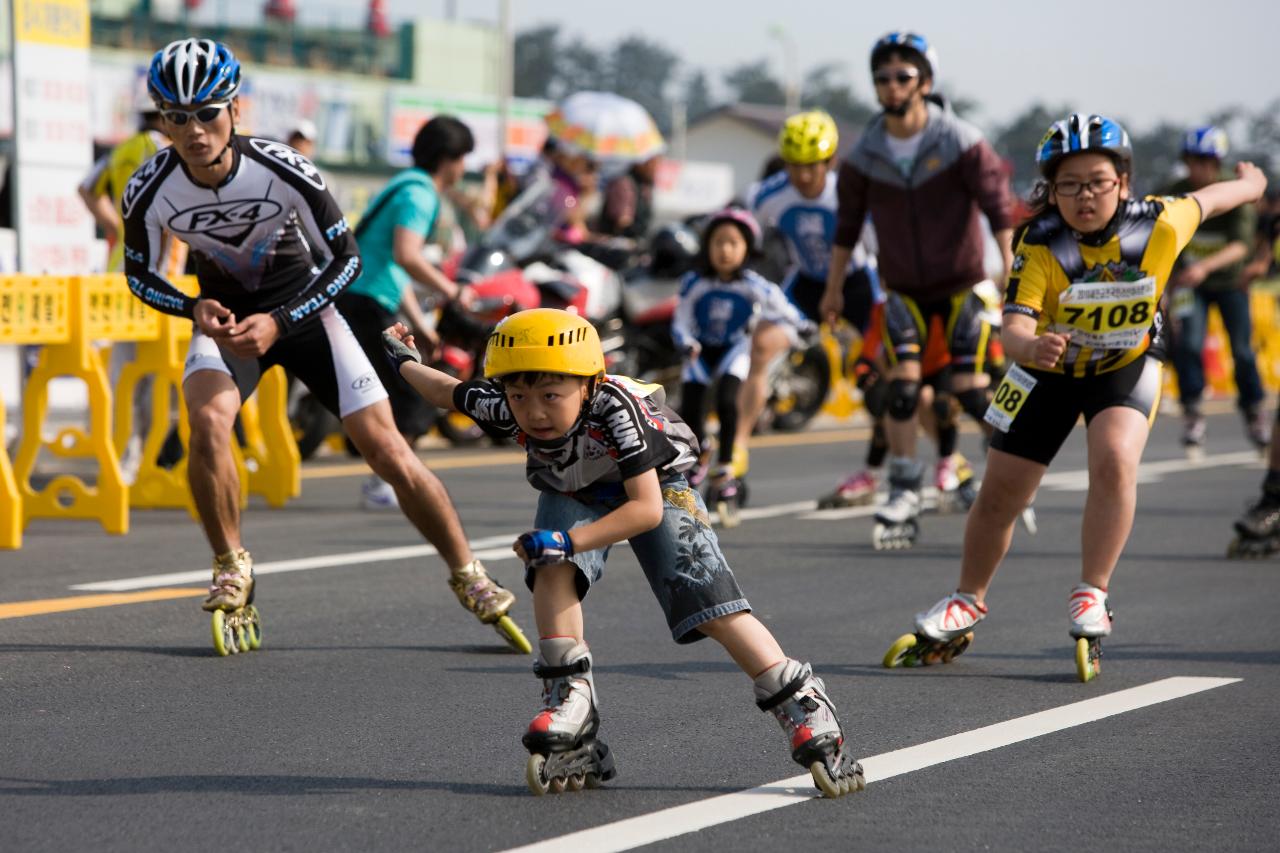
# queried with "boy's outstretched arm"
point(641, 513)
point(435, 386)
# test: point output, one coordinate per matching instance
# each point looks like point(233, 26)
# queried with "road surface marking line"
point(499, 547)
point(691, 817)
point(85, 602)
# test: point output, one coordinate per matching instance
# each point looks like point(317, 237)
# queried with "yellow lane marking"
point(13, 610)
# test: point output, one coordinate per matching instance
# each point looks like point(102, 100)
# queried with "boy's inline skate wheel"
point(831, 787)
point(1088, 658)
point(224, 634)
point(514, 637)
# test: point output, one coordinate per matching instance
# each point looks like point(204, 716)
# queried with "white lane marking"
point(691, 817)
point(498, 547)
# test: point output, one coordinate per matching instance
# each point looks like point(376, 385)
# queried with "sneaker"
point(376, 494)
point(1088, 611)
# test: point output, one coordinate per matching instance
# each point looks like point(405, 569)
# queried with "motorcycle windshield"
point(523, 229)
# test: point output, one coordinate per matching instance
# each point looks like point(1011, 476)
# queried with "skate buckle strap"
point(791, 688)
point(578, 667)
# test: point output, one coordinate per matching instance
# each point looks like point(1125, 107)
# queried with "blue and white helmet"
point(903, 40)
point(192, 71)
point(1080, 132)
point(1207, 141)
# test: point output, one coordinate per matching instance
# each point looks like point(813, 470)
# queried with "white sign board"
point(52, 134)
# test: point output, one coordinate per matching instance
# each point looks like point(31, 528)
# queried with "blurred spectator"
point(1266, 242)
point(627, 208)
point(302, 138)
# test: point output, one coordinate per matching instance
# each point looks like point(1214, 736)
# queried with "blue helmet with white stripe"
point(1079, 132)
point(901, 40)
point(189, 72)
point(1207, 141)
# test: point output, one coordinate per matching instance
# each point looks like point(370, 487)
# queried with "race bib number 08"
point(1009, 398)
point(1107, 314)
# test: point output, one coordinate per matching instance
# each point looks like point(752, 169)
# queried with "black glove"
point(398, 351)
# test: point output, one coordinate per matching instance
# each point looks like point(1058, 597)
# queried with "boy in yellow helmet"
point(608, 460)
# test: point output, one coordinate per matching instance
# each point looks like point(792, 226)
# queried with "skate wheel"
point(242, 638)
point(1087, 667)
point(956, 647)
point(534, 775)
point(728, 515)
point(591, 782)
point(899, 653)
point(557, 785)
point(253, 627)
point(514, 637)
point(576, 782)
point(224, 635)
point(830, 788)
point(878, 540)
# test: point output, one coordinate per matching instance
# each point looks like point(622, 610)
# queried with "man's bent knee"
point(904, 397)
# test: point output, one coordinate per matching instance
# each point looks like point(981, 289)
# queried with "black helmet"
point(672, 250)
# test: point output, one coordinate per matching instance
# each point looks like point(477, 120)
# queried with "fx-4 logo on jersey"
point(141, 179)
point(227, 221)
point(292, 160)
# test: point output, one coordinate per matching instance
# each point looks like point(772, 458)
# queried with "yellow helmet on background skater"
point(807, 138)
point(544, 340)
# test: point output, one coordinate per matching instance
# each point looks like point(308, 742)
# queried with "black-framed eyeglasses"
point(1097, 186)
point(205, 115)
point(901, 77)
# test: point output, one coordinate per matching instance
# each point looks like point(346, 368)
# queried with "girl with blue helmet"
point(1082, 321)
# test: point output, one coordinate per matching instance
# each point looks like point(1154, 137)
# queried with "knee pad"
point(875, 395)
point(904, 396)
point(975, 402)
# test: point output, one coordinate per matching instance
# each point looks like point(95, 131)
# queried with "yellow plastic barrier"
point(68, 316)
point(1219, 373)
point(75, 305)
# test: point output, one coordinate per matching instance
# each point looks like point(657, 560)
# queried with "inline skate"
point(942, 634)
point(564, 752)
point(799, 701)
point(489, 601)
point(857, 489)
point(956, 486)
point(1089, 614)
point(728, 494)
point(237, 625)
point(897, 522)
point(1193, 432)
point(1258, 531)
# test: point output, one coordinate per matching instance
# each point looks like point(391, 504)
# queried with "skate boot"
point(799, 701)
point(1257, 428)
point(946, 480)
point(858, 489)
point(1089, 614)
point(377, 495)
point(564, 753)
point(1193, 430)
point(489, 601)
point(942, 633)
point(967, 490)
point(237, 625)
point(897, 524)
point(1258, 531)
point(728, 494)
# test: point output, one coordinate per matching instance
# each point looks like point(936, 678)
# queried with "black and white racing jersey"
point(624, 432)
point(269, 238)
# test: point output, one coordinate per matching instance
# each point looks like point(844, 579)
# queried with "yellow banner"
point(61, 23)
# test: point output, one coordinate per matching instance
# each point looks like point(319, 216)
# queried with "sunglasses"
point(205, 115)
point(902, 77)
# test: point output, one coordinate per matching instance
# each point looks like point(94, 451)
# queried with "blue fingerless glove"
point(546, 547)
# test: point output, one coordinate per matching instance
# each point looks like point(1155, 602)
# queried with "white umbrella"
point(609, 128)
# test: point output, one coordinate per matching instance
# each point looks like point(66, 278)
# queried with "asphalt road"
point(380, 716)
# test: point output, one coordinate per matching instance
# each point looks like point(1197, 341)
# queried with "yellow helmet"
point(808, 138)
point(544, 340)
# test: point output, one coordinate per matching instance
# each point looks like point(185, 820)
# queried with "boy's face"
point(449, 172)
point(809, 179)
point(202, 143)
point(1202, 171)
point(548, 409)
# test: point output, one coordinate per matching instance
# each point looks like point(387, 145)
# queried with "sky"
point(1134, 60)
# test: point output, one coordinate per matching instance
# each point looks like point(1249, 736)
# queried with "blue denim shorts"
point(680, 557)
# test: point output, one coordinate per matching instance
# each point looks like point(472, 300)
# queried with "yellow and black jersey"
point(1103, 290)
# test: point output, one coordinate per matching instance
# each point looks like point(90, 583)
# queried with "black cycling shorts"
point(859, 297)
point(367, 318)
point(1046, 416)
point(942, 333)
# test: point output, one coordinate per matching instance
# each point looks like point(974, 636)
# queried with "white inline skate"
point(897, 523)
point(942, 633)
point(1089, 614)
point(565, 754)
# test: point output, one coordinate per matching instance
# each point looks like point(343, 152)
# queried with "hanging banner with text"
point(52, 135)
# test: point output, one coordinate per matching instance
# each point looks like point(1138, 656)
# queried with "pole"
point(505, 74)
point(679, 130)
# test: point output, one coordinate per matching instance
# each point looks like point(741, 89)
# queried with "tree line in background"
point(550, 64)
